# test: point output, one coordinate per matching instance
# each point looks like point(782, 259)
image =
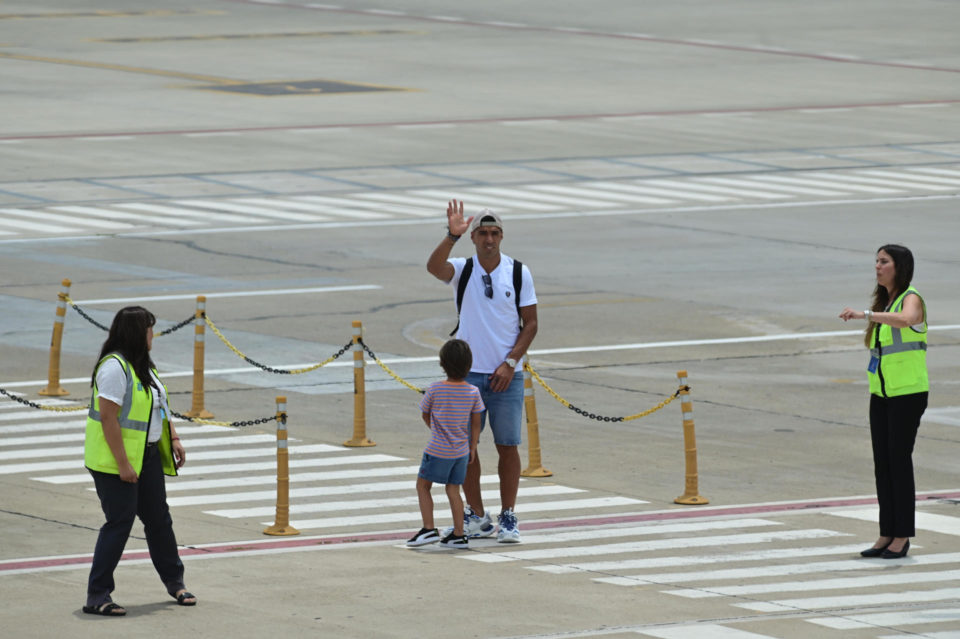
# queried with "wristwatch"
point(512, 363)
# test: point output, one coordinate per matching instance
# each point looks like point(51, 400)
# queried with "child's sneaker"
point(423, 537)
point(455, 541)
point(509, 530)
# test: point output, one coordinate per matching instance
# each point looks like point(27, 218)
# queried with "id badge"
point(874, 363)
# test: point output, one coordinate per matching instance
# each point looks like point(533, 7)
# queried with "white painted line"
point(949, 415)
point(276, 291)
point(903, 181)
point(78, 451)
point(271, 479)
point(641, 187)
point(776, 187)
point(890, 619)
point(780, 570)
point(935, 171)
point(301, 206)
point(439, 125)
point(104, 138)
point(818, 183)
point(700, 631)
point(612, 532)
point(656, 544)
point(600, 194)
point(852, 601)
point(915, 178)
point(210, 134)
point(943, 524)
point(425, 203)
point(538, 197)
point(485, 200)
point(338, 522)
point(23, 225)
point(301, 508)
point(697, 186)
point(68, 219)
point(539, 122)
point(270, 210)
point(113, 215)
point(230, 207)
point(697, 560)
point(341, 207)
point(192, 215)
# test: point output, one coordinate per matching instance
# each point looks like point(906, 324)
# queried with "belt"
point(153, 444)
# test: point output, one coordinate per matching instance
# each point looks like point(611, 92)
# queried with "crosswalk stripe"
point(53, 217)
point(856, 179)
point(75, 436)
point(116, 216)
point(890, 619)
point(774, 187)
point(192, 215)
point(24, 225)
point(594, 534)
point(301, 508)
point(272, 205)
point(314, 491)
point(271, 479)
point(352, 204)
point(231, 207)
point(78, 450)
point(934, 171)
point(700, 631)
point(488, 201)
point(695, 185)
point(676, 194)
point(600, 194)
point(900, 598)
point(428, 204)
point(773, 571)
point(696, 560)
point(914, 177)
point(33, 414)
point(341, 207)
point(284, 203)
point(933, 522)
point(811, 181)
point(537, 197)
point(384, 518)
point(657, 544)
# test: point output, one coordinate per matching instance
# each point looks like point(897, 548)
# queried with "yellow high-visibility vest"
point(134, 418)
point(902, 355)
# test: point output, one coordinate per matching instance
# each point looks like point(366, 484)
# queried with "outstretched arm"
point(437, 265)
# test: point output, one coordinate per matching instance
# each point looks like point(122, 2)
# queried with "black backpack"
point(465, 277)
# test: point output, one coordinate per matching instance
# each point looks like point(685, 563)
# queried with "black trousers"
point(121, 502)
point(893, 430)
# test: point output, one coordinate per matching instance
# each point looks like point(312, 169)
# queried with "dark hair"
point(456, 359)
point(902, 276)
point(128, 337)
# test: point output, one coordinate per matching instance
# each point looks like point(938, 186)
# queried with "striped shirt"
point(451, 406)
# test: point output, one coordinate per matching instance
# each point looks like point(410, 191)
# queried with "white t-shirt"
point(112, 385)
point(491, 325)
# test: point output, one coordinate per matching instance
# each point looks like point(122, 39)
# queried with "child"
point(451, 409)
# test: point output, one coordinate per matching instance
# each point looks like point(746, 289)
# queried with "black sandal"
point(183, 596)
point(108, 609)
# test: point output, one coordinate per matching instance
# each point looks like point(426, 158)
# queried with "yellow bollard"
point(281, 523)
point(199, 336)
point(53, 378)
point(359, 392)
point(535, 469)
point(691, 496)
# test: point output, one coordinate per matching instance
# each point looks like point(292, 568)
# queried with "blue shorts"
point(440, 470)
point(505, 408)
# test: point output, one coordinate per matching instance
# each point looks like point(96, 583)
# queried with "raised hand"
point(455, 221)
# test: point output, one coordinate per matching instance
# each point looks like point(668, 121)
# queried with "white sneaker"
point(509, 532)
point(473, 525)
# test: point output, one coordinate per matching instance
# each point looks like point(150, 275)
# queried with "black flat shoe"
point(889, 554)
point(874, 552)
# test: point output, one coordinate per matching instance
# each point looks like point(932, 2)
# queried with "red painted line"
point(337, 540)
point(374, 125)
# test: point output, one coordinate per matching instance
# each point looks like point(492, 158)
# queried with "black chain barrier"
point(282, 418)
point(602, 418)
point(175, 327)
point(17, 398)
point(376, 359)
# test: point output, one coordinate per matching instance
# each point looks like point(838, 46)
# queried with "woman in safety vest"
point(897, 338)
point(130, 445)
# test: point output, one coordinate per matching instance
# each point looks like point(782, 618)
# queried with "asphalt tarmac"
point(695, 186)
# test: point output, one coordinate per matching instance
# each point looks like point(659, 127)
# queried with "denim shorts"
point(505, 409)
point(440, 470)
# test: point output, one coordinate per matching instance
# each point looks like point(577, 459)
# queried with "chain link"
point(58, 409)
point(84, 315)
point(601, 418)
point(177, 326)
point(282, 418)
point(270, 369)
point(387, 368)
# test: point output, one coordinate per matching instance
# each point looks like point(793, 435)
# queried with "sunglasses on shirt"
point(487, 285)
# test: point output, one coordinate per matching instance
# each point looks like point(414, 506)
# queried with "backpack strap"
point(461, 289)
point(517, 285)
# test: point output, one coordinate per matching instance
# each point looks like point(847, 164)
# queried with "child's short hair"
point(456, 358)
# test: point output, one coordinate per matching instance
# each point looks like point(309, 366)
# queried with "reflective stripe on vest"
point(902, 366)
